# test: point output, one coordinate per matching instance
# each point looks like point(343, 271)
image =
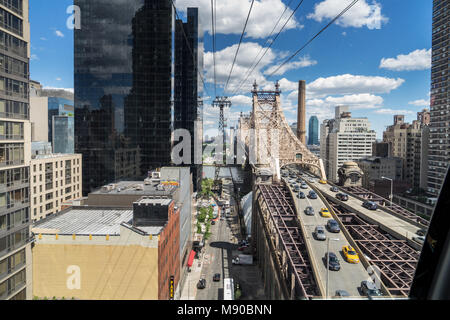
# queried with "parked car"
point(421, 232)
point(368, 288)
point(324, 212)
point(312, 195)
point(311, 180)
point(301, 195)
point(309, 211)
point(296, 188)
point(213, 222)
point(342, 293)
point(201, 284)
point(334, 189)
point(333, 262)
point(319, 233)
point(370, 205)
point(299, 180)
point(216, 277)
point(333, 226)
point(350, 254)
point(419, 239)
point(342, 196)
point(304, 186)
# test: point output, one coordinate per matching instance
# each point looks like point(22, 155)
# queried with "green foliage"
point(206, 187)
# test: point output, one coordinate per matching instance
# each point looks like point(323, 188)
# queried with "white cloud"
point(59, 34)
point(301, 63)
point(420, 103)
point(358, 101)
point(393, 111)
point(34, 57)
point(344, 33)
point(231, 16)
point(54, 88)
point(351, 84)
point(360, 15)
point(58, 79)
point(224, 60)
point(241, 100)
point(43, 38)
point(416, 60)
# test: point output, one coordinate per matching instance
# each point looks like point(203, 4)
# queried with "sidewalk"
point(189, 291)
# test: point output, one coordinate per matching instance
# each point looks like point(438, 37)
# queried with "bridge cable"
point(214, 43)
point(269, 36)
point(315, 36)
point(239, 46)
point(267, 48)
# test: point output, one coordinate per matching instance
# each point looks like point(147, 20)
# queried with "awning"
point(191, 258)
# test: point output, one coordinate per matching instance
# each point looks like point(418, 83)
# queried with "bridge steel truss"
point(406, 214)
point(279, 215)
point(396, 260)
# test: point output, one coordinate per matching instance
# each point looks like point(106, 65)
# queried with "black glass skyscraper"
point(188, 87)
point(122, 88)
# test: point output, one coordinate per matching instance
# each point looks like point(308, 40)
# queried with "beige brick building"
point(54, 179)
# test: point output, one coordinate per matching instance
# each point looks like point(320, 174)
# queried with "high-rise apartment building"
point(54, 179)
point(344, 139)
point(15, 152)
point(123, 69)
point(409, 142)
point(439, 147)
point(188, 113)
point(313, 135)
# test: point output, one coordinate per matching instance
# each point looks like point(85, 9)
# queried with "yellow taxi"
point(350, 254)
point(323, 181)
point(324, 212)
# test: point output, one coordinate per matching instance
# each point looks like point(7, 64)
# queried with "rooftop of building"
point(156, 187)
point(54, 155)
point(90, 221)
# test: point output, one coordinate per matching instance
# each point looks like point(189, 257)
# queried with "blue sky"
point(342, 66)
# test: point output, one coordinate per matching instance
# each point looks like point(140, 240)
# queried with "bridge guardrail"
point(311, 257)
point(349, 238)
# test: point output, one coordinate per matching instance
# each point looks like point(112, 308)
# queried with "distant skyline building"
point(45, 104)
point(344, 139)
point(313, 135)
point(188, 91)
point(439, 143)
point(123, 87)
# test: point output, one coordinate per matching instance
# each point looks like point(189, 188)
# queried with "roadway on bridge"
point(397, 227)
point(349, 277)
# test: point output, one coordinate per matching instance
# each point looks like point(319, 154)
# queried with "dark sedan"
point(334, 189)
point(312, 195)
point(333, 226)
point(309, 211)
point(216, 277)
point(334, 264)
point(201, 284)
point(370, 205)
point(301, 195)
point(342, 196)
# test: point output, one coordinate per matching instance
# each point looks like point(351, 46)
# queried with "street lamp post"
point(391, 195)
point(328, 262)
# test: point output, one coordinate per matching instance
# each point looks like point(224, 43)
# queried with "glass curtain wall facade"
point(313, 135)
point(122, 88)
point(15, 152)
point(188, 86)
point(63, 131)
point(439, 148)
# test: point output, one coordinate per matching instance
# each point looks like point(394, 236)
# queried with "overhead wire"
point(314, 37)
point(239, 46)
point(213, 27)
point(268, 47)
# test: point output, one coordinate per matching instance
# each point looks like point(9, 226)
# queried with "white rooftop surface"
point(88, 221)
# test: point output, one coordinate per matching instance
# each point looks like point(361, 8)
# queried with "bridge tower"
point(270, 137)
point(221, 103)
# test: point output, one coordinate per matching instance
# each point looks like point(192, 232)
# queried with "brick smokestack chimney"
point(301, 113)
